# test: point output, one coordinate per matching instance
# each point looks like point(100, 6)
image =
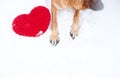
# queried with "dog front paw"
point(54, 39)
point(74, 33)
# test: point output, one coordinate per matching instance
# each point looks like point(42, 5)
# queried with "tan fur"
point(77, 5)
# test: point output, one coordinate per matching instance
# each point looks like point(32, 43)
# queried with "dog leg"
point(75, 26)
point(54, 39)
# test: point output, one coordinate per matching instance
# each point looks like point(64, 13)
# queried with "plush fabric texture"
point(33, 24)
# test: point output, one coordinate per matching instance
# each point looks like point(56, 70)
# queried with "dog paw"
point(54, 40)
point(74, 33)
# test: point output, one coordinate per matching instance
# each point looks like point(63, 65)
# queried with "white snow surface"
point(95, 53)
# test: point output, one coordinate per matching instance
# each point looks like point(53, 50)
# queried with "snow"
point(94, 53)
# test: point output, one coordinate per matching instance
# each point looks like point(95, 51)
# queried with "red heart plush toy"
point(33, 24)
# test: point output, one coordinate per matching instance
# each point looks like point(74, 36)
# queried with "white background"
point(95, 53)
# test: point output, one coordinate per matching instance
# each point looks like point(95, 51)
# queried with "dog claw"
point(51, 41)
point(54, 43)
point(73, 35)
point(54, 40)
point(58, 41)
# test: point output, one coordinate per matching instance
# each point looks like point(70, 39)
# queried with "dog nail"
point(50, 41)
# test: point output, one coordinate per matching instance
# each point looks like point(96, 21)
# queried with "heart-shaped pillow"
point(33, 24)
